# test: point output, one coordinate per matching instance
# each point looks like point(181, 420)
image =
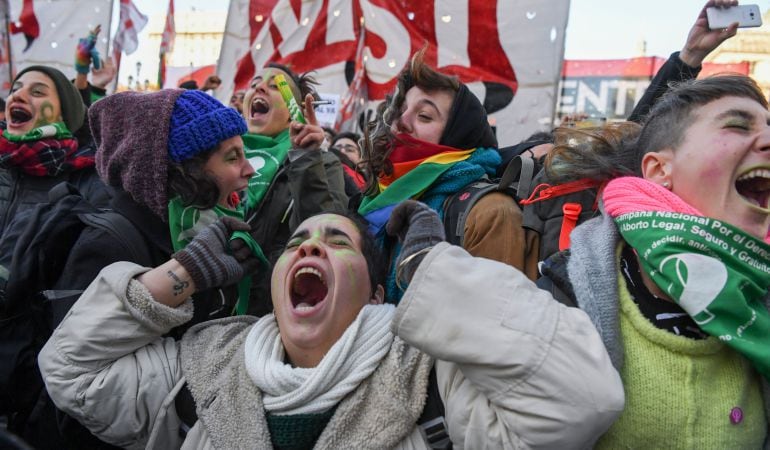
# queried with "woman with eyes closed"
point(675, 275)
point(38, 146)
point(294, 178)
point(333, 366)
point(430, 139)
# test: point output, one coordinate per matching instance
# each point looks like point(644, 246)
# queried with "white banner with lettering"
point(508, 51)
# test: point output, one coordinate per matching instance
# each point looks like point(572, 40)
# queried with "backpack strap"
point(569, 221)
point(546, 191)
point(123, 231)
point(432, 422)
point(518, 175)
point(184, 404)
point(555, 278)
point(458, 205)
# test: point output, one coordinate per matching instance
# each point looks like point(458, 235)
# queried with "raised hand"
point(210, 259)
point(105, 75)
point(701, 40)
point(310, 135)
point(86, 53)
point(418, 228)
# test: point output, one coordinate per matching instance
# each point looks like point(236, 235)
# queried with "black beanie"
point(467, 126)
point(73, 111)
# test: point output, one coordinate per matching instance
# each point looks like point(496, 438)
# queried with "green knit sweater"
point(680, 392)
point(297, 431)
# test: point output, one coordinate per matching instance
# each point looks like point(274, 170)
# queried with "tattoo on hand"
point(179, 285)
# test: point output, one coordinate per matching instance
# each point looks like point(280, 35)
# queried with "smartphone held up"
point(745, 15)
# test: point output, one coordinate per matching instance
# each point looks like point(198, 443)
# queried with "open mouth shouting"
point(308, 290)
point(19, 116)
point(259, 107)
point(754, 187)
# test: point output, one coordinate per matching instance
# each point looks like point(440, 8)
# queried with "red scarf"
point(408, 153)
point(45, 157)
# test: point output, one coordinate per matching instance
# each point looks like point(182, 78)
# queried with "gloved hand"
point(86, 53)
point(208, 261)
point(419, 229)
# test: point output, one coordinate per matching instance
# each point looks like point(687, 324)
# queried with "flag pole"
point(7, 15)
point(111, 49)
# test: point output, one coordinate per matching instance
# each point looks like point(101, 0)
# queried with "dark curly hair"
point(191, 183)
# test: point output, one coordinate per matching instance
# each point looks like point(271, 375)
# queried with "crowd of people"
point(291, 286)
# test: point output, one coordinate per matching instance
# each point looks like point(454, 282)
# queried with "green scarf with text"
point(185, 222)
point(716, 272)
point(266, 155)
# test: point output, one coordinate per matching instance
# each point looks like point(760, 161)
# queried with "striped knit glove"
point(86, 52)
point(211, 261)
point(419, 229)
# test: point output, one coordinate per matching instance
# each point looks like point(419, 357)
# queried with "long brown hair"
point(598, 153)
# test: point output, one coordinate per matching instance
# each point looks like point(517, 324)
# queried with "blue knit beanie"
point(200, 122)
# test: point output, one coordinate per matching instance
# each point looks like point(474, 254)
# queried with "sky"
point(602, 29)
point(596, 29)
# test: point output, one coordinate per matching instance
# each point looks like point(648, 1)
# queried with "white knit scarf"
point(294, 390)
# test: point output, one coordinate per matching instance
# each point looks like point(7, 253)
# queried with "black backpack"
point(33, 251)
point(552, 211)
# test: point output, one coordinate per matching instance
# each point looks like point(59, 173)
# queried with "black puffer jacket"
point(19, 191)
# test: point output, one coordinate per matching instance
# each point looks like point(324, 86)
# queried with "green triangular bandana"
point(266, 155)
point(713, 270)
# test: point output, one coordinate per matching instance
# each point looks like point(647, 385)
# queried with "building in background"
point(197, 44)
point(752, 45)
point(610, 88)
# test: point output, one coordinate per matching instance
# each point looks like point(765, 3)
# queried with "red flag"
point(166, 43)
point(131, 23)
point(27, 24)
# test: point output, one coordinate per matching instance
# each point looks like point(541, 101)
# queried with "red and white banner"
point(508, 51)
point(131, 22)
point(166, 43)
point(47, 32)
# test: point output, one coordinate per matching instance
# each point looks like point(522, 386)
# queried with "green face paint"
point(351, 275)
point(46, 114)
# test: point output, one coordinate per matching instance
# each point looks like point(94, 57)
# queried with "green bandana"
point(55, 130)
point(185, 222)
point(266, 155)
point(713, 270)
